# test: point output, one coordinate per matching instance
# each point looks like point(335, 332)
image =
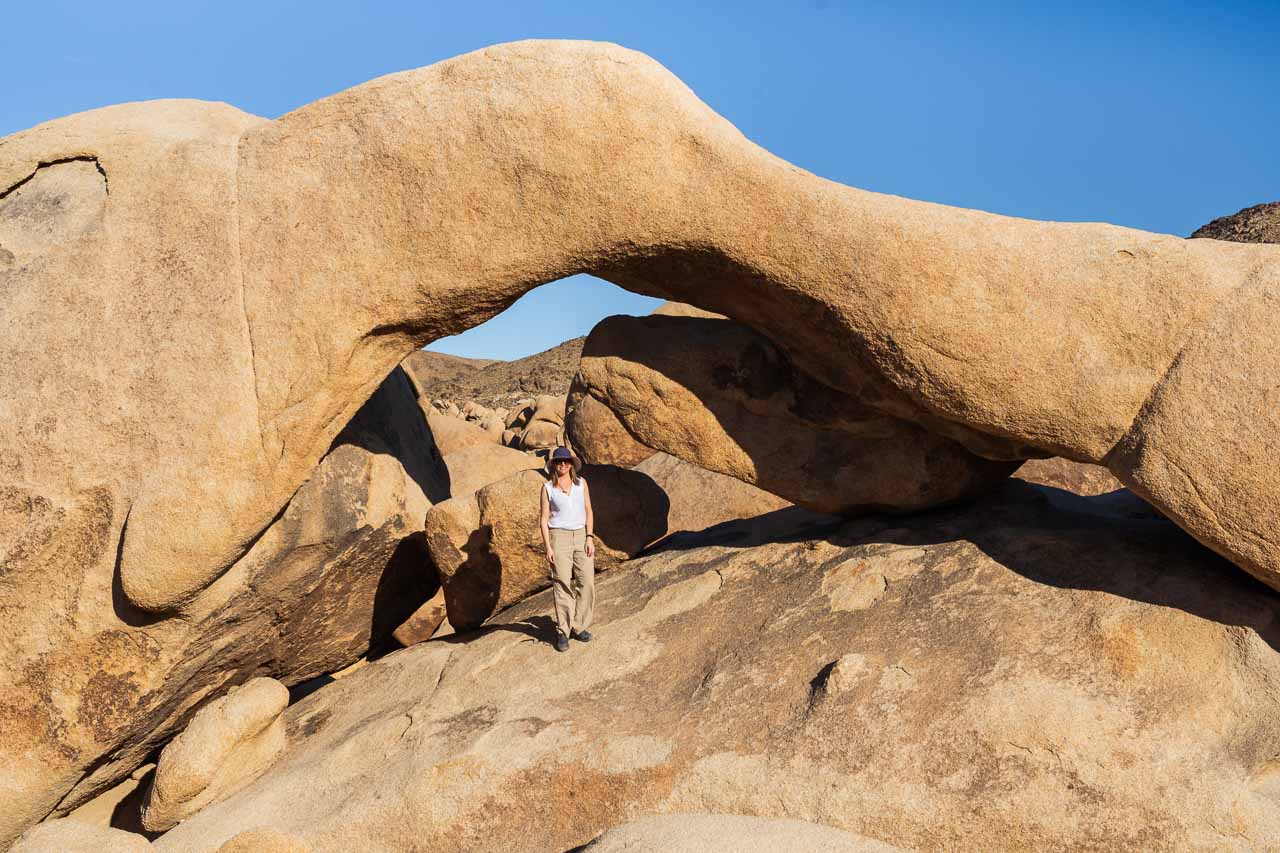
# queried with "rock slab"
point(1026, 678)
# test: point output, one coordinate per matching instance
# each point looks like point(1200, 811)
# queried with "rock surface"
point(717, 394)
point(228, 743)
point(704, 833)
point(1017, 677)
point(265, 841)
point(177, 361)
point(72, 836)
point(681, 309)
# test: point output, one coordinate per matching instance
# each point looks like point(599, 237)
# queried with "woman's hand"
point(591, 547)
point(551, 557)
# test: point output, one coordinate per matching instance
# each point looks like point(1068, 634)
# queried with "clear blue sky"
point(1157, 120)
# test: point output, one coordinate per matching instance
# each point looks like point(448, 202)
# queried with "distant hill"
point(504, 382)
point(426, 369)
point(1257, 224)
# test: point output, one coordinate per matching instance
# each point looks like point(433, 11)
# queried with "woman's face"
point(563, 466)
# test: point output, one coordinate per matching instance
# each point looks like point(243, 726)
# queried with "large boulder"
point(228, 743)
point(452, 434)
point(176, 361)
point(519, 415)
point(1007, 670)
point(544, 426)
point(487, 549)
point(494, 426)
point(596, 434)
point(541, 435)
point(548, 407)
point(479, 465)
point(698, 498)
point(717, 394)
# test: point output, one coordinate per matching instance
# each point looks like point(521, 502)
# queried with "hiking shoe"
point(562, 643)
point(582, 636)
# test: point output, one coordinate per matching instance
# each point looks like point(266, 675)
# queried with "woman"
point(566, 532)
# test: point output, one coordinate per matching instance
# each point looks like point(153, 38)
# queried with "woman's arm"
point(544, 511)
point(586, 503)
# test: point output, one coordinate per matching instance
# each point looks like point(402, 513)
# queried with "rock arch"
point(188, 353)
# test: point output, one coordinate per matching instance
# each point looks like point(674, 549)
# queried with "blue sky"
point(1160, 120)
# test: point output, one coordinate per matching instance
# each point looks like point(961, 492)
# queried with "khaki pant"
point(574, 604)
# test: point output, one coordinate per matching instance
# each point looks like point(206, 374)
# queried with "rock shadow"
point(127, 814)
point(126, 611)
point(391, 422)
point(631, 509)
point(541, 628)
point(1060, 539)
point(1049, 536)
point(408, 581)
point(788, 524)
point(472, 595)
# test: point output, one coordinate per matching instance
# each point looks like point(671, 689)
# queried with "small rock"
point(424, 622)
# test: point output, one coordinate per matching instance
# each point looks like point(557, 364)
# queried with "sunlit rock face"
point(197, 301)
point(929, 682)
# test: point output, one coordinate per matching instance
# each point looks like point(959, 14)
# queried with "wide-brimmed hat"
point(563, 453)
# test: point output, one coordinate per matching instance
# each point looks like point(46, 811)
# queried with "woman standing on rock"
point(566, 532)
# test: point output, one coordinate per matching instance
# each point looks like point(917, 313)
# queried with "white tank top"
point(568, 512)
